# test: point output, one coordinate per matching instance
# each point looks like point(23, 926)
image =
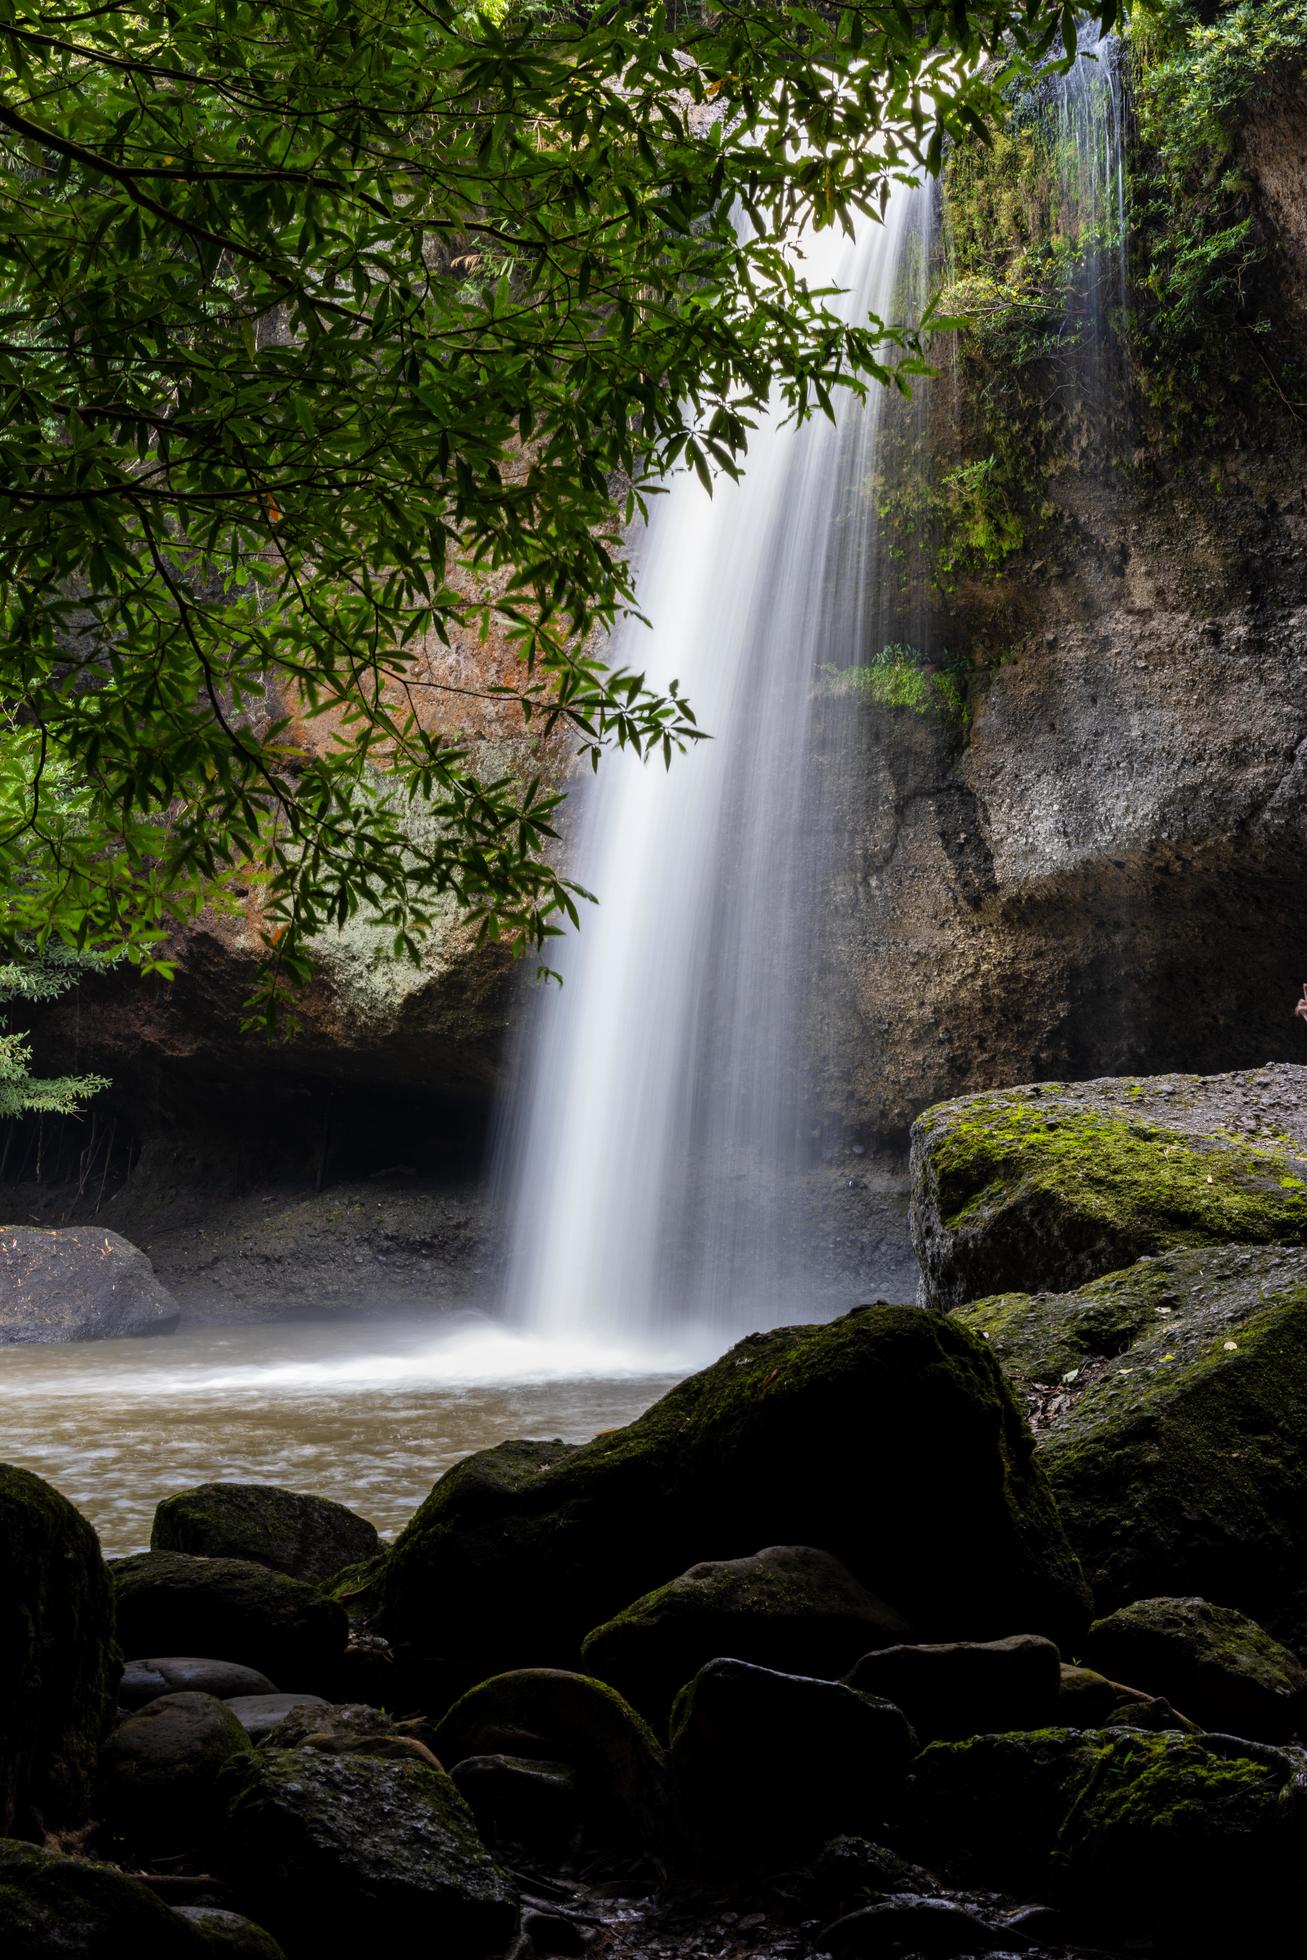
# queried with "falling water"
point(1090, 117)
point(660, 1166)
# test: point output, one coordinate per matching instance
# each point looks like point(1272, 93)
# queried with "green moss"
point(1176, 1453)
point(777, 1443)
point(1154, 1830)
point(1160, 1186)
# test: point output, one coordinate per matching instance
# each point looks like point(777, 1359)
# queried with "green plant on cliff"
point(326, 333)
point(1204, 325)
point(41, 975)
point(901, 677)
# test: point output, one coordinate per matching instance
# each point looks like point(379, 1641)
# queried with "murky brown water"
point(368, 1413)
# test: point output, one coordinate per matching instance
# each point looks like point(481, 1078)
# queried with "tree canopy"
point(332, 327)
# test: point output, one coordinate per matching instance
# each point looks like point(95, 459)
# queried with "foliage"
point(43, 975)
point(899, 677)
point(1197, 80)
point(326, 333)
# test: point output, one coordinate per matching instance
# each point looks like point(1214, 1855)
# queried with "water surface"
point(369, 1412)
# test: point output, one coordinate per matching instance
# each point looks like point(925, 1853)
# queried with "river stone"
point(1216, 1664)
point(1199, 1840)
point(329, 1851)
point(259, 1715)
point(57, 1660)
point(159, 1768)
point(522, 1800)
point(310, 1538)
point(174, 1674)
point(1089, 1700)
point(220, 1933)
point(928, 1928)
point(965, 1687)
point(264, 1620)
point(765, 1764)
point(887, 1438)
point(57, 1908)
point(788, 1606)
point(1048, 1186)
point(77, 1283)
point(1171, 1404)
point(620, 1764)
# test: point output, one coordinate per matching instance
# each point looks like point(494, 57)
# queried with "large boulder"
point(78, 1283)
point(788, 1606)
point(234, 1608)
point(1047, 1186)
point(887, 1438)
point(767, 1764)
point(1171, 1404)
point(1216, 1664)
point(1200, 1841)
point(160, 1768)
point(310, 1538)
point(57, 1663)
point(329, 1851)
point(57, 1908)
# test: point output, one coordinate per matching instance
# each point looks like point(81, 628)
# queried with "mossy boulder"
point(311, 1538)
point(238, 1611)
point(1170, 1403)
point(332, 1852)
point(1199, 1841)
point(556, 1715)
point(1216, 1664)
point(887, 1438)
point(226, 1935)
point(965, 1687)
point(1047, 1186)
point(57, 1659)
point(787, 1606)
point(57, 1908)
point(1089, 1700)
point(523, 1800)
point(160, 1767)
point(766, 1764)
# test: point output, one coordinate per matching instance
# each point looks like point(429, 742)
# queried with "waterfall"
point(660, 1165)
point(1090, 121)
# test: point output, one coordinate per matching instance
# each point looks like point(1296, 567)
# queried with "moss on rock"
point(887, 1438)
point(1054, 1184)
point(1215, 1663)
point(1193, 1838)
point(1173, 1441)
point(82, 1911)
point(310, 1538)
point(333, 1852)
point(232, 1609)
point(788, 1606)
point(57, 1660)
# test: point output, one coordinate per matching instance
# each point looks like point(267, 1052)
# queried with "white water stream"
point(658, 1166)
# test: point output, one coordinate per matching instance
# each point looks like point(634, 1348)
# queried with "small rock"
point(522, 1800)
point(1218, 1665)
point(175, 1674)
point(170, 1602)
point(160, 1766)
point(550, 1932)
point(71, 1909)
point(924, 1928)
point(967, 1687)
point(259, 1715)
